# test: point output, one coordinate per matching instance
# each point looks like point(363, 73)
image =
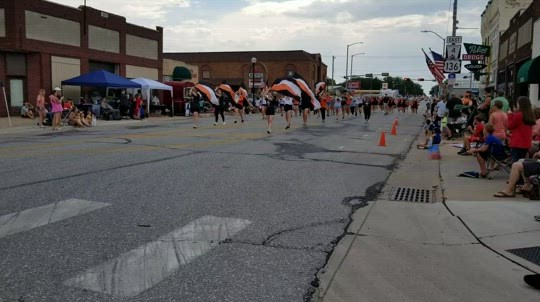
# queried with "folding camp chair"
point(499, 164)
point(65, 116)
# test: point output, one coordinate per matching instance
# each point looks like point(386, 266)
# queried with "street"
point(158, 211)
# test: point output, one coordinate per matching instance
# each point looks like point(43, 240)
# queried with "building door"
point(16, 92)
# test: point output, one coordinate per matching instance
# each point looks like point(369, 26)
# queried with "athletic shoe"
point(242, 121)
point(268, 131)
point(365, 122)
point(235, 122)
point(224, 123)
point(537, 217)
point(288, 126)
point(463, 151)
point(533, 280)
point(215, 124)
point(194, 126)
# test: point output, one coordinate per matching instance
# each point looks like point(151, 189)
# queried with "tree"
point(434, 90)
point(330, 82)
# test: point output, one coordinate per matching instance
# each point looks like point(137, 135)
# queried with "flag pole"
point(5, 100)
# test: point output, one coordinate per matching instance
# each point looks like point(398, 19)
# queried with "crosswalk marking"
point(138, 270)
point(14, 223)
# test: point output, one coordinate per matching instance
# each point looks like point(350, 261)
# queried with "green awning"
point(529, 71)
point(181, 73)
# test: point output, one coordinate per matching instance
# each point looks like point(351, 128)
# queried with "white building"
point(495, 20)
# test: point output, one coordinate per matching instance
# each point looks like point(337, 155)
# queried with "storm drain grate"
point(411, 195)
point(531, 254)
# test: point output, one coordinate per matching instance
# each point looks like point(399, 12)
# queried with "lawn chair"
point(499, 164)
point(65, 116)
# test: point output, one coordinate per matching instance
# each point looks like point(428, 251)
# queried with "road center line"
point(36, 217)
point(138, 270)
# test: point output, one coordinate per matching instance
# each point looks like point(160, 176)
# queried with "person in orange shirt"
point(324, 105)
point(467, 101)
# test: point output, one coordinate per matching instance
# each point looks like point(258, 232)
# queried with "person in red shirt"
point(520, 125)
point(324, 105)
point(477, 134)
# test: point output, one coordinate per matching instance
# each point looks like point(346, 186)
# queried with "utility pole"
point(454, 19)
point(333, 59)
point(454, 32)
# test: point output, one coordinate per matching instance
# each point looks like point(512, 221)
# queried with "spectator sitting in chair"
point(476, 136)
point(492, 146)
point(26, 111)
point(108, 109)
point(525, 169)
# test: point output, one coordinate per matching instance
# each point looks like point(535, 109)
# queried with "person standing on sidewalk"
point(56, 108)
point(40, 106)
point(520, 124)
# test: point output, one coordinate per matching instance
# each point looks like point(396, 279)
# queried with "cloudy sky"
point(389, 29)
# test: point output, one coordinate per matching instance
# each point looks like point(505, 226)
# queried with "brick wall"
point(39, 52)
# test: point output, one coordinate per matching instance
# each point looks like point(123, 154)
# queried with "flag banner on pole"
point(287, 87)
point(207, 92)
point(308, 97)
point(227, 90)
point(439, 61)
point(319, 88)
point(439, 76)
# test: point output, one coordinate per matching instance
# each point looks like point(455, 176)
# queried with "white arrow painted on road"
point(138, 270)
point(36, 217)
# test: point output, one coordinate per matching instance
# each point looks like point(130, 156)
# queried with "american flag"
point(437, 73)
point(439, 61)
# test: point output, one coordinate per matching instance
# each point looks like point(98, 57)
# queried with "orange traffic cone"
point(396, 121)
point(382, 140)
point(394, 130)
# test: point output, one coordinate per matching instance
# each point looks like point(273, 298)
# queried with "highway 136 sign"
point(452, 66)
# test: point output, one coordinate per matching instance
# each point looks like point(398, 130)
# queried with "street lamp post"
point(352, 58)
point(347, 62)
point(443, 40)
point(253, 61)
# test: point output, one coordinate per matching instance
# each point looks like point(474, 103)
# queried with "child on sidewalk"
point(492, 146)
point(476, 136)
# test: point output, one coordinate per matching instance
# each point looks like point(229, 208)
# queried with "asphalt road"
point(163, 212)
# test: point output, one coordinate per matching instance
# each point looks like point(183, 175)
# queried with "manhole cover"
point(411, 195)
point(531, 254)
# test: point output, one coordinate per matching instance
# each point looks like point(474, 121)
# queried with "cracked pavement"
point(298, 189)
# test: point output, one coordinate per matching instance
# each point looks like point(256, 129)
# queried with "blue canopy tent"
point(101, 78)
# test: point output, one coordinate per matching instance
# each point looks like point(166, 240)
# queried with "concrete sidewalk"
point(443, 251)
point(21, 126)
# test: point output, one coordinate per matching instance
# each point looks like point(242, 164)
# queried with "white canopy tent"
point(147, 85)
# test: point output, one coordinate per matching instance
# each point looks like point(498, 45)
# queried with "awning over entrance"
point(529, 72)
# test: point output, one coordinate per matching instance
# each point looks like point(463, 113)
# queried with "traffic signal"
point(420, 79)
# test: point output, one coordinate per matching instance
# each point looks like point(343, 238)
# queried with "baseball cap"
point(57, 89)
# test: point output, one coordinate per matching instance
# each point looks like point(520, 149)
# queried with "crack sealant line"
point(360, 228)
point(441, 180)
point(495, 251)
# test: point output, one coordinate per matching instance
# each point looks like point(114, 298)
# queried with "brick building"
point(43, 43)
point(519, 60)
point(236, 67)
